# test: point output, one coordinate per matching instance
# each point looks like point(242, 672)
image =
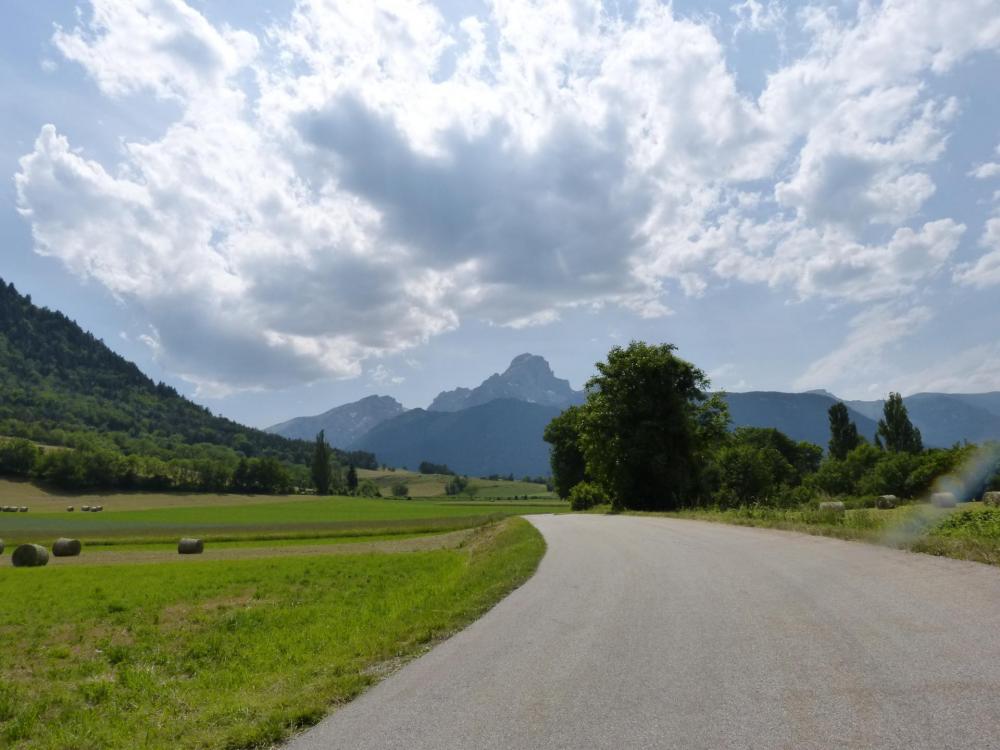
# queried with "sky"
point(281, 209)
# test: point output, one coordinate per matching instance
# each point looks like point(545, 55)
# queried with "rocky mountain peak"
point(528, 378)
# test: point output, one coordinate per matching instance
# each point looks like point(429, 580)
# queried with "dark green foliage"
point(748, 473)
point(352, 479)
point(426, 467)
point(17, 457)
point(456, 485)
point(321, 469)
point(261, 475)
point(648, 427)
point(399, 489)
point(895, 428)
point(585, 495)
point(368, 488)
point(761, 464)
point(568, 465)
point(843, 432)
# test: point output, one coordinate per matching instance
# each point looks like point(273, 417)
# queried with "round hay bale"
point(832, 506)
point(992, 498)
point(85, 508)
point(64, 547)
point(943, 500)
point(99, 508)
point(9, 509)
point(188, 546)
point(24, 508)
point(69, 508)
point(885, 502)
point(30, 556)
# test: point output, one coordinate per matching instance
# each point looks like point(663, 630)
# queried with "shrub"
point(399, 489)
point(17, 457)
point(586, 495)
point(456, 485)
point(368, 488)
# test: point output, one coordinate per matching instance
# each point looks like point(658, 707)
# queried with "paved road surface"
point(657, 633)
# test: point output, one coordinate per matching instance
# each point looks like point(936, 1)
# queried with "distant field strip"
point(302, 518)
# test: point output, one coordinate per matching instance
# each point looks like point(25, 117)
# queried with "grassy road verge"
point(969, 532)
point(229, 654)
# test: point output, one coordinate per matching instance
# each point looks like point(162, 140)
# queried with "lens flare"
point(967, 482)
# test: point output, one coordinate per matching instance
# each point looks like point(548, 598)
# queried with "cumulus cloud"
point(367, 175)
point(985, 272)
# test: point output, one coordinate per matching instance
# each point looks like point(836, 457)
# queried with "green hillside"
point(62, 386)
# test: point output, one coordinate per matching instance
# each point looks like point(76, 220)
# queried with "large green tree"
point(896, 429)
point(566, 458)
point(322, 471)
point(844, 435)
point(648, 427)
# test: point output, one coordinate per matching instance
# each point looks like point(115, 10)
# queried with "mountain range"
point(58, 382)
point(496, 427)
point(343, 425)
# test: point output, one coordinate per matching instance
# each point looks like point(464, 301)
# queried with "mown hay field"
point(255, 518)
point(229, 654)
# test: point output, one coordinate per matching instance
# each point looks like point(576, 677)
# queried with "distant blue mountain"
point(499, 437)
point(801, 416)
point(343, 425)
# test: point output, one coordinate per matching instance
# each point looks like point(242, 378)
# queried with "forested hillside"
point(60, 385)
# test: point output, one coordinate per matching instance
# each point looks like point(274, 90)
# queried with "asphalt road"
point(656, 633)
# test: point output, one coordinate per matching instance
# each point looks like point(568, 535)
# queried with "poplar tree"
point(843, 432)
point(895, 428)
point(322, 471)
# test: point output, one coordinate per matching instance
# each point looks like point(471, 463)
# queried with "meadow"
point(229, 654)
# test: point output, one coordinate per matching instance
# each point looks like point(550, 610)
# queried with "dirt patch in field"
point(450, 540)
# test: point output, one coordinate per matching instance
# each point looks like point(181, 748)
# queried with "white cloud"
point(985, 272)
point(972, 370)
point(867, 350)
point(163, 46)
point(757, 16)
point(986, 171)
point(381, 375)
point(367, 175)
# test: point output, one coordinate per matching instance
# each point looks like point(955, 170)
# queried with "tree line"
point(650, 436)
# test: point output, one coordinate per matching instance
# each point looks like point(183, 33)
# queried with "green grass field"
point(229, 654)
